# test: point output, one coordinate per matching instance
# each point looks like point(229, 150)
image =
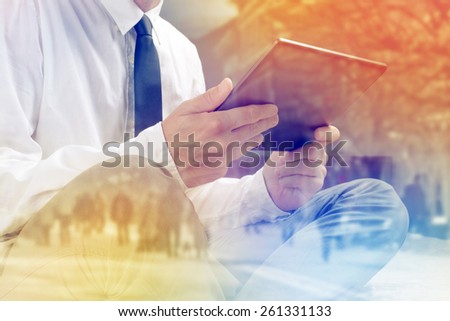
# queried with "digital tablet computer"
point(310, 85)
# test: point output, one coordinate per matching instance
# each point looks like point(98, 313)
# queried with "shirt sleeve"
point(28, 177)
point(230, 203)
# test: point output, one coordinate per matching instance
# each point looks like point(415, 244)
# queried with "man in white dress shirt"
point(67, 89)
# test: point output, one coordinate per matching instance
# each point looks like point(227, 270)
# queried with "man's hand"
point(203, 143)
point(293, 178)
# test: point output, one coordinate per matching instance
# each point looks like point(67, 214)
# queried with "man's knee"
point(384, 202)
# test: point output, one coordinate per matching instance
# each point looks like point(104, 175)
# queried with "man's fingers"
point(252, 143)
point(246, 115)
point(312, 152)
point(315, 150)
point(240, 149)
point(327, 134)
point(243, 133)
point(210, 100)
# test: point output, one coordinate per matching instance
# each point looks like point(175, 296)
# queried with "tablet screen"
point(311, 87)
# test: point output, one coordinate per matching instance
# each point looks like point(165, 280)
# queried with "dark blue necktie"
point(147, 78)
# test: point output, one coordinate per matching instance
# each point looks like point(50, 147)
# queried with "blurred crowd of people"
point(144, 227)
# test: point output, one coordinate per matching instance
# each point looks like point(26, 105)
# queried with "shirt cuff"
point(259, 202)
point(156, 147)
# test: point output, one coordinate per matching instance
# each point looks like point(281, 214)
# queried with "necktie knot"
point(143, 27)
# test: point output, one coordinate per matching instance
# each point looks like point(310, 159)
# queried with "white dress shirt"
point(66, 89)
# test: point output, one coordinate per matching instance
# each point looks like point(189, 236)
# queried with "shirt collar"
point(126, 13)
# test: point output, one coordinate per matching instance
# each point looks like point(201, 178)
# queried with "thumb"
point(211, 99)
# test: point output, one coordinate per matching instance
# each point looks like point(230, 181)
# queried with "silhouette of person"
point(416, 203)
point(149, 223)
point(121, 214)
point(98, 220)
point(84, 211)
point(64, 220)
point(169, 228)
point(43, 227)
point(439, 206)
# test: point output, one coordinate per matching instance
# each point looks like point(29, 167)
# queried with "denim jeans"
point(326, 250)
